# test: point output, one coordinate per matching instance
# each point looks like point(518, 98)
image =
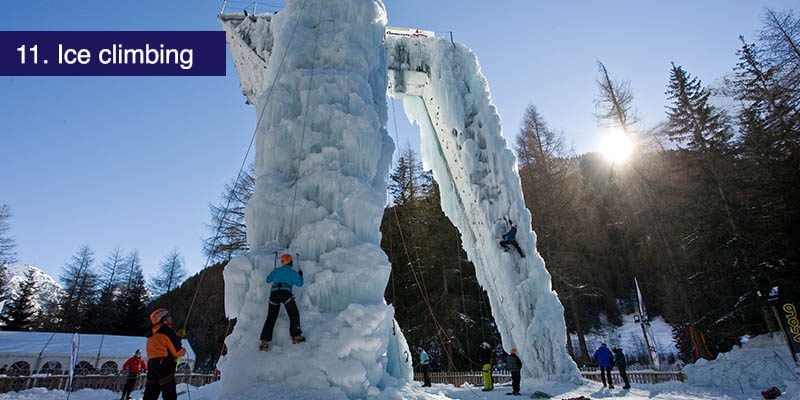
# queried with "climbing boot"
point(264, 346)
point(298, 339)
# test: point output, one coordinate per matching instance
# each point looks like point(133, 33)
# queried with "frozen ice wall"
point(316, 74)
point(445, 93)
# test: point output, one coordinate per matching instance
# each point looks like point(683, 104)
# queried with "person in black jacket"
point(621, 363)
point(514, 365)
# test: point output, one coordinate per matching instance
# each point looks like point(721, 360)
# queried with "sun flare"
point(616, 147)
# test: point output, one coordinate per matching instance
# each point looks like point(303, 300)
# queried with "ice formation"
point(445, 93)
point(316, 73)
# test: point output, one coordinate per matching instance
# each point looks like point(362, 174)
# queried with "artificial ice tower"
point(318, 73)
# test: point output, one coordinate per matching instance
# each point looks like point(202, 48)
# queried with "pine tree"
point(429, 267)
point(132, 264)
point(111, 275)
point(101, 313)
point(408, 181)
point(171, 275)
point(7, 246)
point(18, 315)
point(7, 243)
point(781, 36)
point(723, 274)
point(228, 230)
point(131, 317)
point(693, 122)
point(615, 103)
point(766, 83)
point(80, 286)
point(551, 187)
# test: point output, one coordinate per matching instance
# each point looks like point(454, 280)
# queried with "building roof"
point(89, 345)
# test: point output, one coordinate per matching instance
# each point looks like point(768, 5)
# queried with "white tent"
point(22, 353)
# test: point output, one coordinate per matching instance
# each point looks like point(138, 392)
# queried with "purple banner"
point(112, 53)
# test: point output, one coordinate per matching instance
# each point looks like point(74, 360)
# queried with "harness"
point(281, 286)
point(287, 301)
point(278, 286)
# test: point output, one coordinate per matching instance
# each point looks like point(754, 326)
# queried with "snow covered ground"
point(742, 373)
point(663, 391)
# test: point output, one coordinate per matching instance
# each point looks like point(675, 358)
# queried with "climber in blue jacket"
point(282, 280)
point(511, 239)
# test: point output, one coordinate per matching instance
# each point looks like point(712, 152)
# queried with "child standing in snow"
point(425, 363)
point(282, 280)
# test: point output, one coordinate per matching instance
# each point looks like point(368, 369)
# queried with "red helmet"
point(158, 315)
point(286, 259)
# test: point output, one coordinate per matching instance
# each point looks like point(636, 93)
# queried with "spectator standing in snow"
point(487, 359)
point(132, 368)
point(605, 360)
point(163, 351)
point(282, 280)
point(621, 362)
point(425, 363)
point(514, 365)
point(511, 239)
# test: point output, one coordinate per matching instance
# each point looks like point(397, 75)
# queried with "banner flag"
point(73, 359)
point(647, 330)
point(791, 324)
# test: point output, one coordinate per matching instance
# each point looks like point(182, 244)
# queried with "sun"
point(616, 146)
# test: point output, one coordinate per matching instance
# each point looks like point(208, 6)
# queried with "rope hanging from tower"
point(218, 229)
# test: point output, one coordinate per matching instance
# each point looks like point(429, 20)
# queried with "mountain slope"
point(48, 290)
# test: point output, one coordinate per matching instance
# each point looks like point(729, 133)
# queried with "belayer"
point(282, 280)
point(486, 357)
point(132, 368)
point(163, 350)
point(511, 239)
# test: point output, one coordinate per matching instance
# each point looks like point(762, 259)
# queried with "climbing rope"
point(305, 120)
point(464, 306)
point(420, 284)
point(394, 298)
point(244, 161)
point(218, 229)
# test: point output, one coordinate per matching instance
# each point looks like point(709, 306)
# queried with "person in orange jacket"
point(132, 368)
point(163, 350)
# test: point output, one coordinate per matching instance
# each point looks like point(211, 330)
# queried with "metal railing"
point(251, 7)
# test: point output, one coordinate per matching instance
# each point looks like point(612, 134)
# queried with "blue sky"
point(133, 162)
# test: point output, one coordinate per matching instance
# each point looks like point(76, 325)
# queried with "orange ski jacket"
point(163, 342)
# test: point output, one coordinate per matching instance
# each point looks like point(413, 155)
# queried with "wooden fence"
point(459, 378)
point(500, 376)
point(115, 382)
point(637, 376)
point(110, 382)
